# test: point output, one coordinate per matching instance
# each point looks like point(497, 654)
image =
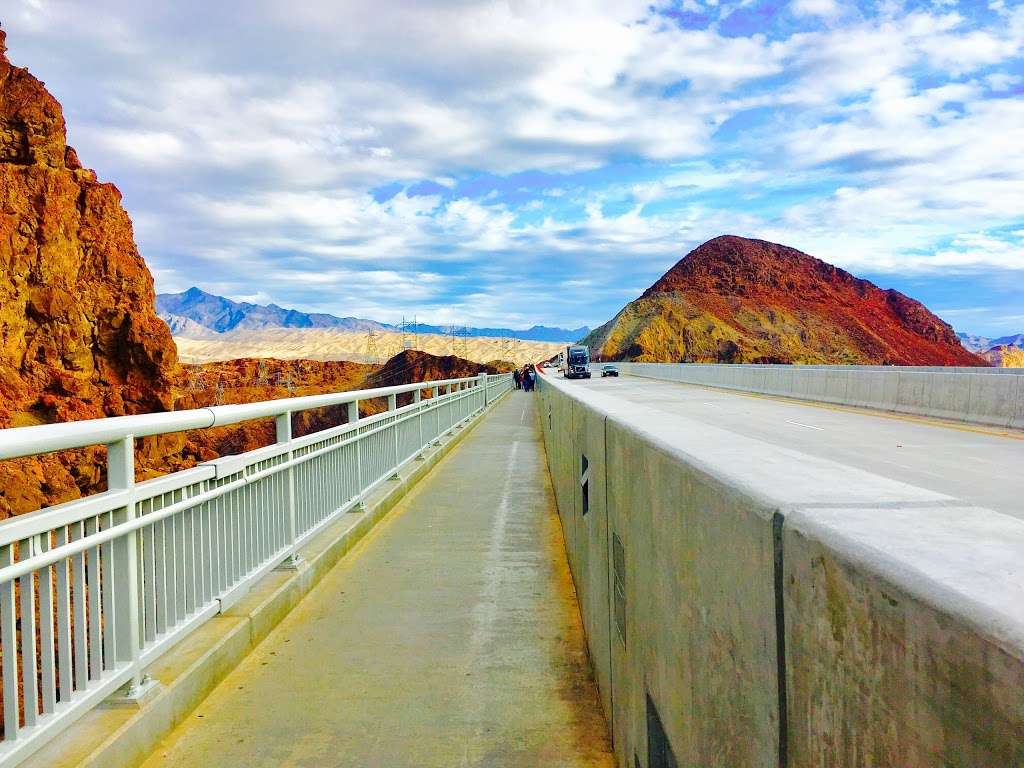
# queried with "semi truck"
point(577, 362)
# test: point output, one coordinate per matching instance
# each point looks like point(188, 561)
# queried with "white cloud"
point(815, 7)
point(252, 152)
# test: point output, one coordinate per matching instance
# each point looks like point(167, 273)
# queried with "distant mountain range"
point(982, 344)
point(1006, 351)
point(737, 300)
point(197, 314)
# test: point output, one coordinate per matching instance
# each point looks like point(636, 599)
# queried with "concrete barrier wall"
point(768, 608)
point(991, 396)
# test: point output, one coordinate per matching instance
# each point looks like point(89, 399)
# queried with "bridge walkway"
point(450, 637)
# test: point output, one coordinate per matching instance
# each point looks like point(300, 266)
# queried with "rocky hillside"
point(249, 380)
point(1005, 355)
point(78, 334)
point(413, 365)
point(737, 300)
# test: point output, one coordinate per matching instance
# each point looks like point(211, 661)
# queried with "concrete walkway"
point(450, 637)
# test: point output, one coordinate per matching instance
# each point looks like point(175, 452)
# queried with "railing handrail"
point(31, 524)
point(18, 442)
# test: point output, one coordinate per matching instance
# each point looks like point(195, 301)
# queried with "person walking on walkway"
point(517, 378)
point(528, 380)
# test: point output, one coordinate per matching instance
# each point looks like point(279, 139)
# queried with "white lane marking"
point(522, 416)
point(809, 426)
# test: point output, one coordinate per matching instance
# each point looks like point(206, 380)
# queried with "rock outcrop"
point(737, 300)
point(413, 365)
point(79, 337)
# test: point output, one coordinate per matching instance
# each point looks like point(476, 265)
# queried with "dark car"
point(609, 370)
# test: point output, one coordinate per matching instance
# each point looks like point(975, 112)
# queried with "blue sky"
point(533, 162)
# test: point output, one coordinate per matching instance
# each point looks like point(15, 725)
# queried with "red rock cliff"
point(79, 337)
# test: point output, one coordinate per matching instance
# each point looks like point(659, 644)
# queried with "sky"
point(523, 162)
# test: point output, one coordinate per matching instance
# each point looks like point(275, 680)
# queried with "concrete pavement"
point(450, 637)
point(979, 465)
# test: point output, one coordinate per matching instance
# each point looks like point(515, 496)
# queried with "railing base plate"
point(291, 563)
point(133, 696)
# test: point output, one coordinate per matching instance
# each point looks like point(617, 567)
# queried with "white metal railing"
point(94, 590)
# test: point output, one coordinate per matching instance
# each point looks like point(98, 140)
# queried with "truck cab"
point(577, 362)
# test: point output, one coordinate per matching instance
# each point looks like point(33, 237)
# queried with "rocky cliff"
point(79, 337)
point(749, 301)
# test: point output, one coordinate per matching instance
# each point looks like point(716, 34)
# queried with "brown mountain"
point(79, 337)
point(738, 300)
point(413, 365)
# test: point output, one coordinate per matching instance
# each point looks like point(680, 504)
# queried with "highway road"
point(980, 465)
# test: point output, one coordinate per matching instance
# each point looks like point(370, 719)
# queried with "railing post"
point(123, 571)
point(434, 392)
point(352, 410)
point(483, 383)
point(392, 406)
point(417, 397)
point(283, 427)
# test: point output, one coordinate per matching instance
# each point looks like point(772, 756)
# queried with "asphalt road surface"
point(981, 465)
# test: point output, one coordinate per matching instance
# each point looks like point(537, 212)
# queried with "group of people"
point(526, 378)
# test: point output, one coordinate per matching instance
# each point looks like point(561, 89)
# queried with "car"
point(609, 370)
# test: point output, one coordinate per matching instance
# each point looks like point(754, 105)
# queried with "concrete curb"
point(195, 666)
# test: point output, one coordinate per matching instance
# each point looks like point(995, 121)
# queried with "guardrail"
point(94, 590)
point(971, 395)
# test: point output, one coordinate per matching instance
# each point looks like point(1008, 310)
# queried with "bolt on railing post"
point(283, 428)
point(123, 570)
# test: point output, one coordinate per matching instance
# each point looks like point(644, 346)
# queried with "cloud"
point(815, 7)
point(613, 135)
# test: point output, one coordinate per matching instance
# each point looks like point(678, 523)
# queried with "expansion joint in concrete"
point(778, 520)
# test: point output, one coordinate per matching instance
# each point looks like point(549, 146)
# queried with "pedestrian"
point(528, 380)
point(517, 378)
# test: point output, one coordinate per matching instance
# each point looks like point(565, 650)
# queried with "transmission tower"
point(410, 333)
point(289, 383)
point(261, 373)
point(195, 380)
point(371, 346)
point(462, 342)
